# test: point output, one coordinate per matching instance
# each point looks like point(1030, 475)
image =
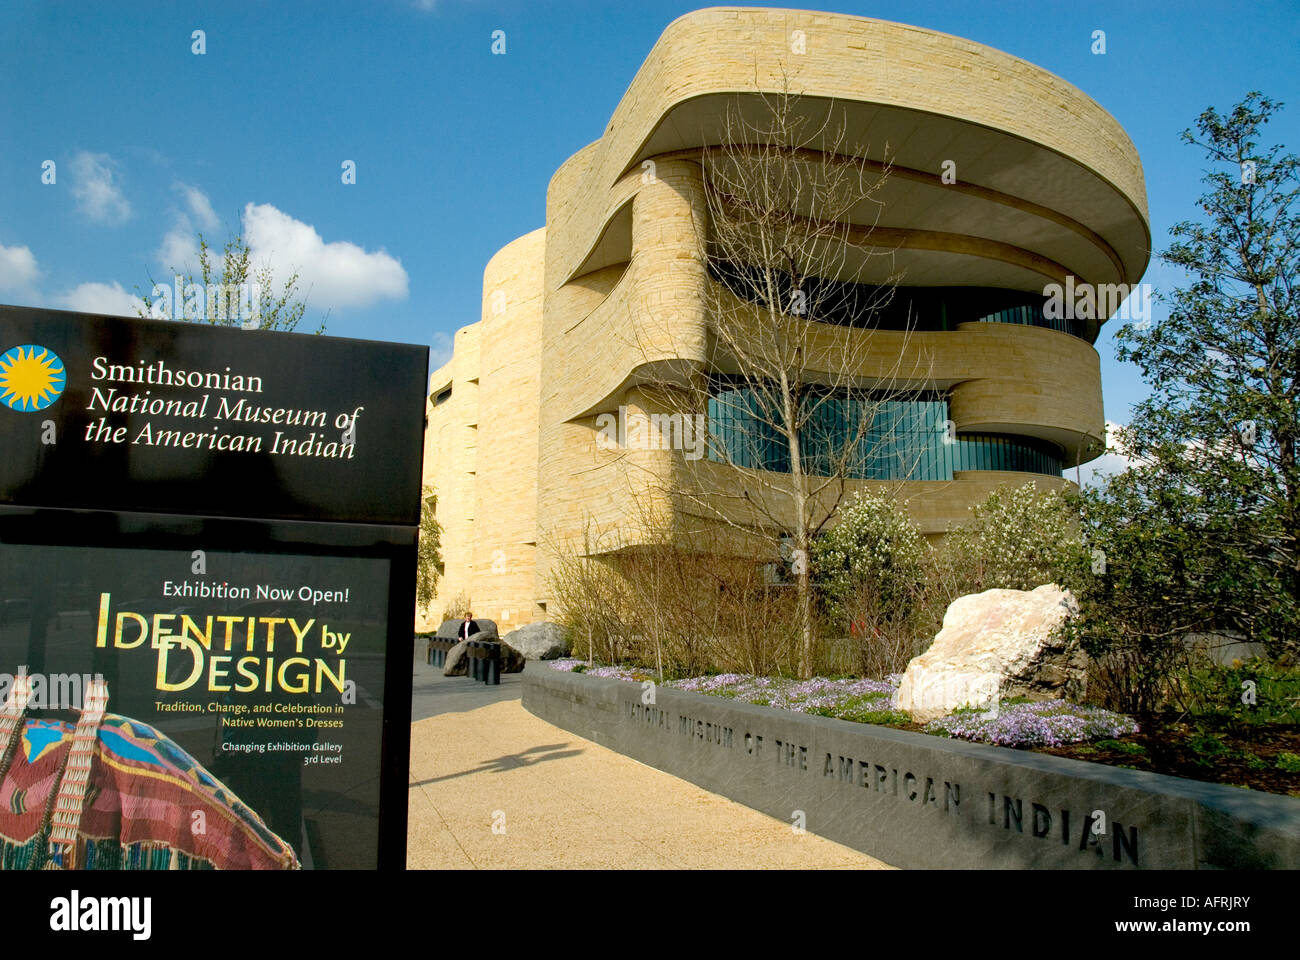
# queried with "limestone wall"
point(580, 318)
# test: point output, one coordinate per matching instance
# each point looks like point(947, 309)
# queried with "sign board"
point(178, 417)
point(207, 551)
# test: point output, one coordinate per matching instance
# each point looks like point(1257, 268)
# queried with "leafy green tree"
point(1215, 489)
point(1152, 574)
point(428, 565)
point(229, 291)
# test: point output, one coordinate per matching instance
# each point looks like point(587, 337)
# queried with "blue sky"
point(453, 145)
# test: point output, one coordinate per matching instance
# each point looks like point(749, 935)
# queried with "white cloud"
point(332, 275)
point(107, 298)
point(200, 207)
point(95, 188)
point(1114, 461)
point(18, 269)
point(179, 249)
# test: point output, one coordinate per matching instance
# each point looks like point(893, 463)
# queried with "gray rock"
point(539, 641)
point(456, 665)
point(512, 661)
point(487, 629)
point(994, 645)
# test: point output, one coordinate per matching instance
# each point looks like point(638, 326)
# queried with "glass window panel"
point(896, 439)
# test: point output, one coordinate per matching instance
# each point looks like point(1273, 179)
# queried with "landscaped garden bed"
point(1215, 748)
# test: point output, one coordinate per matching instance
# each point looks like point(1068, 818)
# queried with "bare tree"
point(802, 395)
point(592, 598)
point(667, 602)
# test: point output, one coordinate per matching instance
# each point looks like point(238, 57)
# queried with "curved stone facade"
point(1001, 176)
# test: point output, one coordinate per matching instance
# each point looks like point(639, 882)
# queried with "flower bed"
point(1051, 723)
point(571, 665)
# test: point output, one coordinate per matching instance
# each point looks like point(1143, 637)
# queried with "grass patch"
point(1255, 693)
point(884, 717)
point(1288, 762)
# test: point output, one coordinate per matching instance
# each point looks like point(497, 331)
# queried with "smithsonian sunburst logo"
point(31, 378)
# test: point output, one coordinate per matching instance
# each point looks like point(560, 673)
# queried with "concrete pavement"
point(494, 787)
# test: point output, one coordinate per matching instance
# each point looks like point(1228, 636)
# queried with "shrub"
point(456, 607)
point(1127, 673)
point(592, 603)
point(672, 605)
point(871, 570)
point(1018, 539)
point(1274, 692)
point(1160, 566)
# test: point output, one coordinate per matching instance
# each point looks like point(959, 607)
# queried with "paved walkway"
point(478, 759)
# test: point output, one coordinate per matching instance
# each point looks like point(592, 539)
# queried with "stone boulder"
point(539, 641)
point(512, 660)
point(449, 628)
point(456, 664)
point(994, 645)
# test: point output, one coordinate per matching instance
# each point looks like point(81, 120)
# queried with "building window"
point(886, 439)
point(999, 452)
point(1033, 316)
point(742, 431)
point(442, 397)
point(849, 304)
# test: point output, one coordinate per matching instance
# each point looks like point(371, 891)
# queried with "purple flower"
point(1049, 723)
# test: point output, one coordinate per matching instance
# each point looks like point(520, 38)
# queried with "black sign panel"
point(113, 413)
point(267, 673)
point(207, 551)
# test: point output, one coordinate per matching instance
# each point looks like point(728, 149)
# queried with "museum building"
point(1003, 180)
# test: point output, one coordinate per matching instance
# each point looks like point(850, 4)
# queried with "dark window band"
point(885, 439)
